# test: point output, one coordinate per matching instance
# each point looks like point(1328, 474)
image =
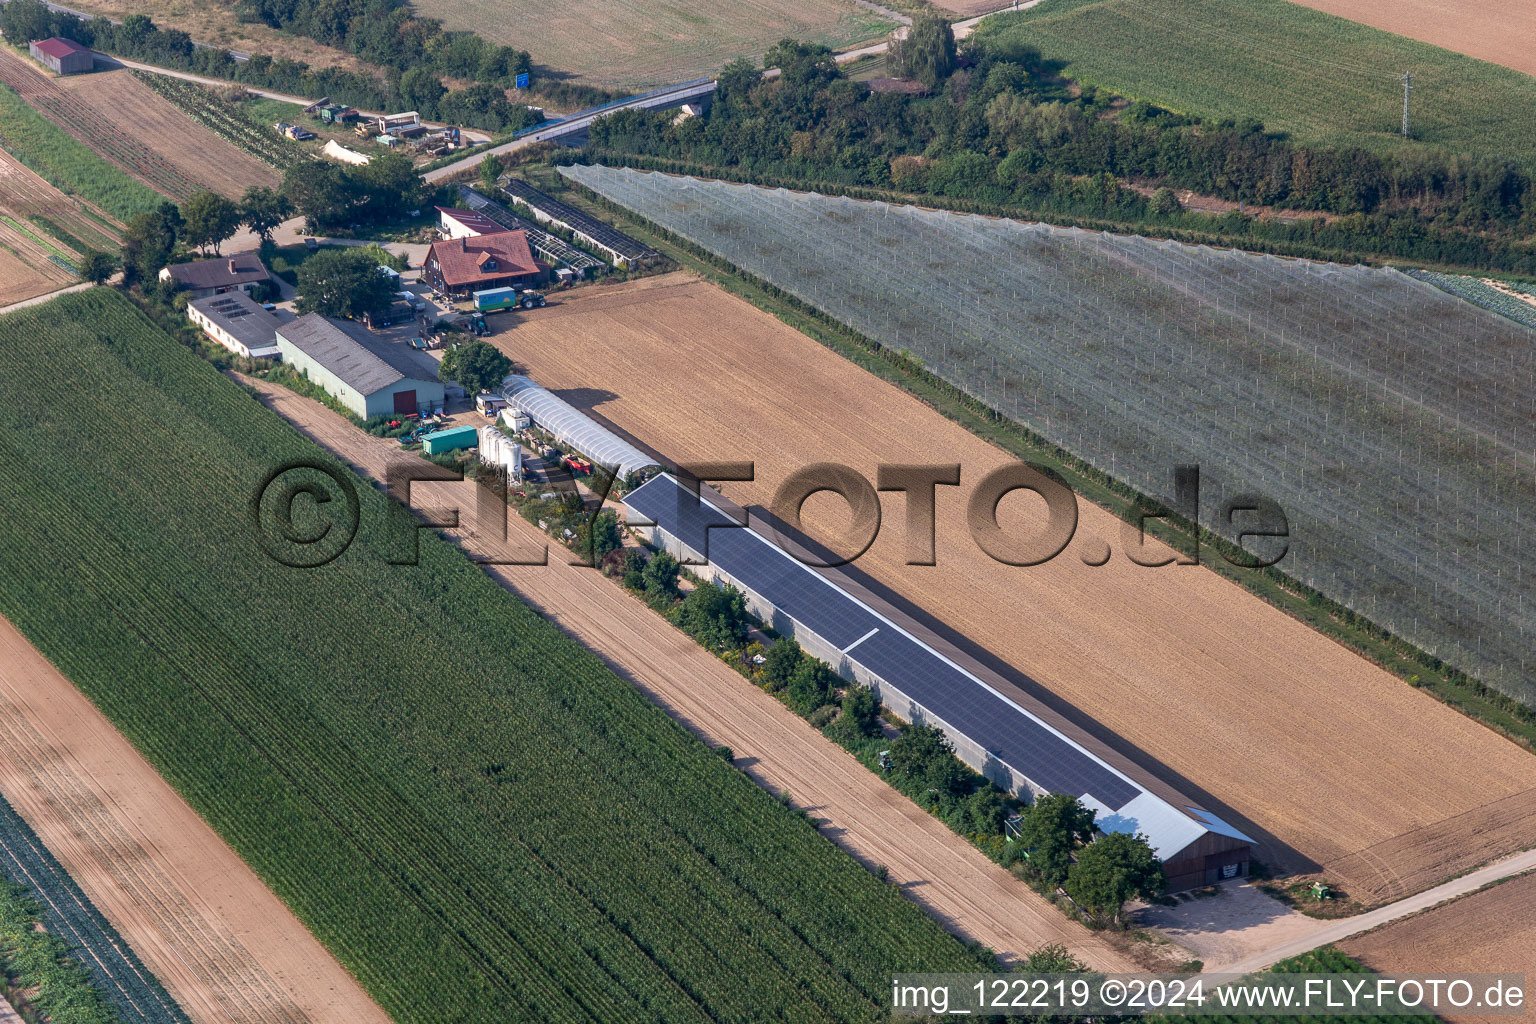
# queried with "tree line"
point(993, 130)
point(416, 55)
point(1053, 842)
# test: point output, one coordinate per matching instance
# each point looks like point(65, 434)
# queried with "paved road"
point(1345, 927)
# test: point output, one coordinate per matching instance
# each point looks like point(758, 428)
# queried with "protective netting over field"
point(1395, 424)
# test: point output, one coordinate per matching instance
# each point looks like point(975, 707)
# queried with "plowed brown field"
point(1500, 31)
point(1330, 762)
point(173, 134)
point(939, 870)
point(222, 944)
point(1493, 931)
point(25, 269)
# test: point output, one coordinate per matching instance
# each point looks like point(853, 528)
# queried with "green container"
point(450, 439)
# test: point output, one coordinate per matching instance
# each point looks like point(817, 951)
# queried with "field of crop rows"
point(475, 814)
point(1476, 290)
point(93, 129)
point(1391, 421)
point(230, 125)
point(69, 915)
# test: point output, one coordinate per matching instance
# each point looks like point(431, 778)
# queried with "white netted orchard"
point(1394, 423)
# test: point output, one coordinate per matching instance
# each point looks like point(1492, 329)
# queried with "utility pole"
point(1407, 92)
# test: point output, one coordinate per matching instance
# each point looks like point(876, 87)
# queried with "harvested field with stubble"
point(221, 943)
point(1331, 762)
point(174, 135)
point(1500, 31)
point(627, 44)
point(1491, 931)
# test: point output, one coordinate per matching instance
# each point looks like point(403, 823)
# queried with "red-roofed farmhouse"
point(458, 266)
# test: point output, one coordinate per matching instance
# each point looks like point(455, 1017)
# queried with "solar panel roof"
point(576, 220)
point(1008, 731)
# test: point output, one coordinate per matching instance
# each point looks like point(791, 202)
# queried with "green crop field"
point(631, 44)
point(70, 165)
point(481, 820)
point(1315, 76)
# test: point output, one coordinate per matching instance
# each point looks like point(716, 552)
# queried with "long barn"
point(998, 729)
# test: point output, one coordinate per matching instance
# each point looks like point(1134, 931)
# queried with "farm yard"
point(1389, 419)
point(1499, 31)
point(1490, 931)
point(223, 945)
point(1223, 58)
point(630, 44)
point(438, 792)
point(1333, 764)
point(200, 155)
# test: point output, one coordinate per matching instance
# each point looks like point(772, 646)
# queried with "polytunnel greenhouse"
point(570, 426)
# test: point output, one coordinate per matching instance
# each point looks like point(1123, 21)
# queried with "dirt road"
point(222, 944)
point(939, 870)
point(1469, 925)
point(1333, 763)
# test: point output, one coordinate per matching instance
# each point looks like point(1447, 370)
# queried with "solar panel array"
point(603, 234)
point(945, 691)
point(551, 247)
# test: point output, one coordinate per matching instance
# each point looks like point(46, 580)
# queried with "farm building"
point(388, 123)
point(616, 245)
point(453, 223)
point(572, 427)
point(370, 380)
point(239, 323)
point(552, 248)
point(458, 266)
point(64, 56)
point(240, 272)
point(1011, 738)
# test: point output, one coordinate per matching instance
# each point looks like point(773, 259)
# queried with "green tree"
point(1164, 202)
point(490, 171)
point(262, 209)
point(98, 266)
point(1050, 830)
point(860, 717)
point(210, 219)
point(660, 575)
point(343, 282)
point(478, 366)
point(1113, 869)
point(149, 242)
point(1052, 959)
point(320, 192)
point(982, 813)
point(923, 755)
point(603, 535)
point(714, 616)
point(926, 53)
point(422, 90)
point(780, 663)
point(810, 687)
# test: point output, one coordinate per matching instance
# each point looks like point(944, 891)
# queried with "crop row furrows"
point(70, 916)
